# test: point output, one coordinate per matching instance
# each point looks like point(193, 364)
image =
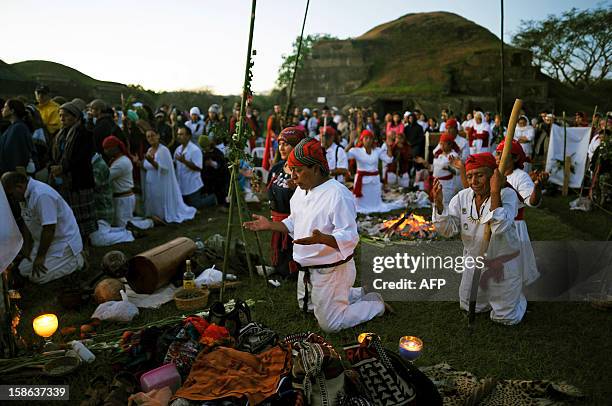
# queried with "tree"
point(285, 72)
point(575, 47)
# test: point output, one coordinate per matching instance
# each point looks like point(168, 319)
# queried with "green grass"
point(557, 341)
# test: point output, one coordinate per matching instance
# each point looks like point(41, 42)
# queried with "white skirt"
point(527, 261)
point(371, 201)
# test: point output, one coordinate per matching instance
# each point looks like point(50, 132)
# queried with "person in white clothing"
point(485, 201)
point(52, 242)
point(196, 124)
point(443, 170)
point(323, 225)
point(479, 134)
point(529, 193)
point(462, 143)
point(335, 154)
point(188, 160)
point(122, 183)
point(524, 134)
point(162, 195)
point(368, 188)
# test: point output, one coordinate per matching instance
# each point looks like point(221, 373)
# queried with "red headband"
point(111, 142)
point(515, 150)
point(484, 159)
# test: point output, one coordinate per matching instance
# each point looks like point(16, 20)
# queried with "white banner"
point(576, 148)
point(10, 236)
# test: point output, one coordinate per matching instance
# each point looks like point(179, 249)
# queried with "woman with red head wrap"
point(122, 184)
point(479, 135)
point(467, 214)
point(443, 168)
point(368, 188)
point(280, 190)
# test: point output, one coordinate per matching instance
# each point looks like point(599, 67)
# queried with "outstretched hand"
point(260, 223)
point(438, 195)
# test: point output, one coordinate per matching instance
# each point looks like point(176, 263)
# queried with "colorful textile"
point(82, 204)
point(226, 372)
point(309, 152)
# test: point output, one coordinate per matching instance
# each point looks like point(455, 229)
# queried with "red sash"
point(357, 188)
point(280, 241)
point(447, 177)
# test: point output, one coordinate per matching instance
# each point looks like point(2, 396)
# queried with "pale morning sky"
point(187, 44)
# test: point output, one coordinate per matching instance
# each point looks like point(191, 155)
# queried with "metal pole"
point(297, 59)
point(501, 96)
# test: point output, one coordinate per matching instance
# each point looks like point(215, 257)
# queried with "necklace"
point(471, 218)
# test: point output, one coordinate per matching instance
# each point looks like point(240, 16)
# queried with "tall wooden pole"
point(501, 94)
point(235, 143)
point(297, 59)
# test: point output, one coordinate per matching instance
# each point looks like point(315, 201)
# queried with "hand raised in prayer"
point(39, 267)
point(456, 163)
point(259, 224)
point(539, 177)
point(497, 181)
point(438, 195)
point(181, 158)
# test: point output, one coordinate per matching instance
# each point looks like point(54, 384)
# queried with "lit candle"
point(363, 336)
point(45, 325)
point(410, 347)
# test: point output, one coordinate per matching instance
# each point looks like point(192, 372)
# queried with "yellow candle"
point(362, 337)
point(45, 325)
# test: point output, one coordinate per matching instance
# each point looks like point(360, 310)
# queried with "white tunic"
point(10, 236)
point(121, 175)
point(342, 161)
point(462, 143)
point(523, 184)
point(45, 206)
point(330, 208)
point(162, 196)
point(190, 181)
point(527, 132)
point(505, 298)
point(442, 168)
point(371, 201)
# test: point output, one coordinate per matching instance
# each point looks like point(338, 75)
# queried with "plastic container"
point(83, 352)
point(166, 375)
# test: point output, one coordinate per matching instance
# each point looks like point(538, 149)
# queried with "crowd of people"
point(79, 174)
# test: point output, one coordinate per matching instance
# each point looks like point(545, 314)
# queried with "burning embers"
point(409, 226)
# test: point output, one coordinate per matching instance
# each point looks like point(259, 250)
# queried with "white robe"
point(371, 199)
point(10, 236)
point(504, 298)
point(162, 195)
point(330, 208)
point(528, 132)
point(477, 145)
point(441, 165)
point(523, 184)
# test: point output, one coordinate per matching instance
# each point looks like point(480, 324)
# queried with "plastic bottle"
point(188, 276)
point(82, 351)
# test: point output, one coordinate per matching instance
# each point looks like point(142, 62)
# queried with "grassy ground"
point(557, 341)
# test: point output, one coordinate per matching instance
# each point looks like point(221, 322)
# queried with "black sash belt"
point(306, 270)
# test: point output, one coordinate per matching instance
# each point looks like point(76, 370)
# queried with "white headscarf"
point(483, 126)
point(195, 110)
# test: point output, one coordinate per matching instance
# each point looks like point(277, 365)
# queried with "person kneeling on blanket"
point(323, 225)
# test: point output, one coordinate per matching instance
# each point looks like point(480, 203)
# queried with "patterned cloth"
point(82, 204)
point(103, 197)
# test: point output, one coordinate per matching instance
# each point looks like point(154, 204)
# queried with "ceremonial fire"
point(410, 226)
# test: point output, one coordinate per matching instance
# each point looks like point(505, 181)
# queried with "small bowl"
point(61, 366)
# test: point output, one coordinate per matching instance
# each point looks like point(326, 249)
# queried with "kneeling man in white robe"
point(486, 201)
point(323, 225)
point(52, 243)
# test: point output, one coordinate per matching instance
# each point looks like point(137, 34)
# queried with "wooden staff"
point(518, 104)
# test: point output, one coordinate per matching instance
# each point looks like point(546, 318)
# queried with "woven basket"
point(191, 299)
